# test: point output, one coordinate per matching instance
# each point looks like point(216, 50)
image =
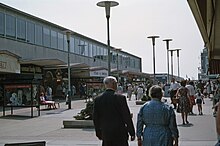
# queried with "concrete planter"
point(78, 124)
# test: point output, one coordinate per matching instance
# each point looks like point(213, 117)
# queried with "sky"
point(131, 22)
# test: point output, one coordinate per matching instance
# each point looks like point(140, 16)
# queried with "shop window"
point(72, 44)
point(20, 95)
point(21, 29)
point(82, 48)
point(90, 50)
point(2, 23)
point(39, 34)
point(30, 32)
point(105, 51)
point(94, 52)
point(54, 39)
point(60, 41)
point(86, 49)
point(10, 25)
point(46, 37)
point(76, 46)
point(65, 44)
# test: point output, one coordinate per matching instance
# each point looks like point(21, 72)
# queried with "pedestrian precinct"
point(156, 122)
point(111, 116)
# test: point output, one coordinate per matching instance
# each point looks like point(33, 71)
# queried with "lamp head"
point(68, 34)
point(167, 40)
point(107, 5)
point(153, 38)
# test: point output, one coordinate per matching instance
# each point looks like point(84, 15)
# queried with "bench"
point(38, 143)
point(50, 104)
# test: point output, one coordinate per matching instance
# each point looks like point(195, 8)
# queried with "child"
point(199, 100)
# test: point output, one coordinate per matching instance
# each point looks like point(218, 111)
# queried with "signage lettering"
point(3, 65)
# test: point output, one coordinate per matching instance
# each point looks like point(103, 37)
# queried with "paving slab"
point(49, 127)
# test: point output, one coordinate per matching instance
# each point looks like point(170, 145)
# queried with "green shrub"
point(86, 114)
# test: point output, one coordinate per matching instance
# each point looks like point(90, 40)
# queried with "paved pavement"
point(200, 132)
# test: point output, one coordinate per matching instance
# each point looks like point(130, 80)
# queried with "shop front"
point(9, 64)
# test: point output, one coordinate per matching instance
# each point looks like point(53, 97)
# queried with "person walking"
point(129, 91)
point(192, 93)
point(111, 116)
point(184, 105)
point(156, 122)
point(140, 92)
point(173, 89)
point(199, 101)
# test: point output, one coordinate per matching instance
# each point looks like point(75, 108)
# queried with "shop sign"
point(98, 73)
point(9, 64)
point(17, 86)
point(31, 69)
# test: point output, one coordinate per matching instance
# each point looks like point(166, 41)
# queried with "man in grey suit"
point(112, 117)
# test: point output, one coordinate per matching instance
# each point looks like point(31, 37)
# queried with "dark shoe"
point(184, 123)
point(187, 122)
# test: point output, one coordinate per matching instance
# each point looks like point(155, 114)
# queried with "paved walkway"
point(48, 127)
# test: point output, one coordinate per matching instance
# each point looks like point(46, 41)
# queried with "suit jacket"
point(111, 117)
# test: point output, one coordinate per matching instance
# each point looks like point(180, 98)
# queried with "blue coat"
point(156, 122)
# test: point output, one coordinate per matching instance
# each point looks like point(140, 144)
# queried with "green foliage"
point(86, 114)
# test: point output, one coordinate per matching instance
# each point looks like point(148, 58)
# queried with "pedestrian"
point(173, 89)
point(184, 105)
point(140, 92)
point(156, 122)
point(111, 116)
point(129, 91)
point(49, 93)
point(199, 101)
point(192, 93)
point(120, 89)
point(218, 124)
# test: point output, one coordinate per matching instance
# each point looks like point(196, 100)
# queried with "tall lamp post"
point(178, 61)
point(68, 34)
point(117, 51)
point(153, 43)
point(167, 45)
point(171, 52)
point(108, 5)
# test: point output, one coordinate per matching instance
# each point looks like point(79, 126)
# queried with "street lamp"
point(117, 51)
point(178, 61)
point(68, 34)
point(153, 42)
point(171, 52)
point(108, 5)
point(167, 45)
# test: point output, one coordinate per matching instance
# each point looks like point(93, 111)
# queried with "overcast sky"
point(130, 24)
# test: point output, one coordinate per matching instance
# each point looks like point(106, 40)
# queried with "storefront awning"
point(43, 62)
point(139, 74)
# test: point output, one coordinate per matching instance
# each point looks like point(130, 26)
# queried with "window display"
point(20, 95)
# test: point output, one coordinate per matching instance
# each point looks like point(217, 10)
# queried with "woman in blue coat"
point(156, 122)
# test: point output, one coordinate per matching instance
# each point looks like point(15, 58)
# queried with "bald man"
point(112, 117)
